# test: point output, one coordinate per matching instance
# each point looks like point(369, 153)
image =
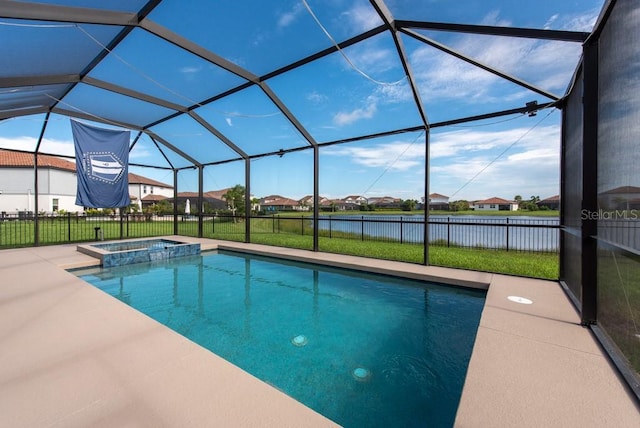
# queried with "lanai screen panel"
point(363, 90)
point(40, 48)
point(571, 268)
point(153, 66)
point(551, 14)
point(618, 180)
point(257, 36)
point(253, 122)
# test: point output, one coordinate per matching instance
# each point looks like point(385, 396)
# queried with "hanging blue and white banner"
point(102, 163)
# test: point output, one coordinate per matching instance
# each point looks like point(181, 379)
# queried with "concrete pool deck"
point(71, 355)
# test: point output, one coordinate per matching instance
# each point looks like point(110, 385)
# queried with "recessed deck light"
point(522, 300)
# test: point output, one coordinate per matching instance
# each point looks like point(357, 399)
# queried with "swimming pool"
point(362, 349)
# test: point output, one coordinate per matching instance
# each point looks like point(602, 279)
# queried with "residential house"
point(495, 204)
point(274, 203)
point(307, 202)
point(57, 184)
point(552, 202)
point(147, 190)
point(213, 200)
point(620, 198)
point(353, 202)
point(438, 202)
point(386, 202)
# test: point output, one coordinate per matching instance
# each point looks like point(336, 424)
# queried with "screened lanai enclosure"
point(317, 101)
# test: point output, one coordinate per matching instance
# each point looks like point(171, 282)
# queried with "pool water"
point(364, 350)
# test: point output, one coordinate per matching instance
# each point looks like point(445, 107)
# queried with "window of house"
point(144, 189)
point(55, 202)
point(151, 190)
point(492, 206)
point(481, 206)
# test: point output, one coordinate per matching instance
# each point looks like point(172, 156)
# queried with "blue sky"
point(363, 91)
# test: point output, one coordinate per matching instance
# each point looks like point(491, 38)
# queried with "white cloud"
point(466, 142)
point(287, 18)
point(550, 21)
point(363, 17)
point(228, 120)
point(398, 155)
point(190, 69)
point(316, 98)
point(546, 64)
point(26, 143)
point(531, 166)
point(349, 117)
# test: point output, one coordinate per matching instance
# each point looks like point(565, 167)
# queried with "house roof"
point(277, 200)
point(622, 190)
point(154, 198)
point(438, 195)
point(13, 159)
point(140, 179)
point(555, 198)
point(496, 201)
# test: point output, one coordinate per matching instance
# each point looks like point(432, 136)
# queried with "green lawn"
point(287, 233)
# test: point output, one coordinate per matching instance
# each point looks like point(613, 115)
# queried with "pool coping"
point(77, 356)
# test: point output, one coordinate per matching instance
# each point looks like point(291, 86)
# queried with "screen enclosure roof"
point(204, 83)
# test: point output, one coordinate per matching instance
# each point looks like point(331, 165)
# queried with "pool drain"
point(299, 340)
point(361, 374)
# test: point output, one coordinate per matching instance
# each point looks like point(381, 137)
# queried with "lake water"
point(499, 232)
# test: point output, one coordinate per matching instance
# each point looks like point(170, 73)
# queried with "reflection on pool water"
point(362, 349)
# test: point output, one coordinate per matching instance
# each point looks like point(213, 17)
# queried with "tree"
point(517, 198)
point(235, 199)
point(409, 205)
point(460, 205)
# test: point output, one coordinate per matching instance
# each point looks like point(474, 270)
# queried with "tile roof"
point(438, 195)
point(622, 189)
point(13, 159)
point(140, 179)
point(495, 200)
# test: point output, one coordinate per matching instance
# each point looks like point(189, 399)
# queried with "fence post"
point(448, 231)
point(302, 223)
point(362, 228)
point(68, 226)
point(401, 230)
point(213, 224)
point(330, 227)
point(507, 233)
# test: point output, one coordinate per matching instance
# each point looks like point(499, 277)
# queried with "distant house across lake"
point(495, 204)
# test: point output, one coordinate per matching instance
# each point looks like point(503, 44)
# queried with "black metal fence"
point(511, 234)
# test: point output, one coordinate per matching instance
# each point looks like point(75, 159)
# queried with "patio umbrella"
point(187, 207)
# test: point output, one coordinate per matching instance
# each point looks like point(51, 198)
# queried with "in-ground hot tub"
point(138, 251)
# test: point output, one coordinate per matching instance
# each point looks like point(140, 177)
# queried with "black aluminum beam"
point(186, 44)
point(54, 79)
point(529, 33)
point(218, 134)
point(387, 18)
point(287, 113)
point(8, 114)
point(79, 15)
point(132, 94)
point(589, 309)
